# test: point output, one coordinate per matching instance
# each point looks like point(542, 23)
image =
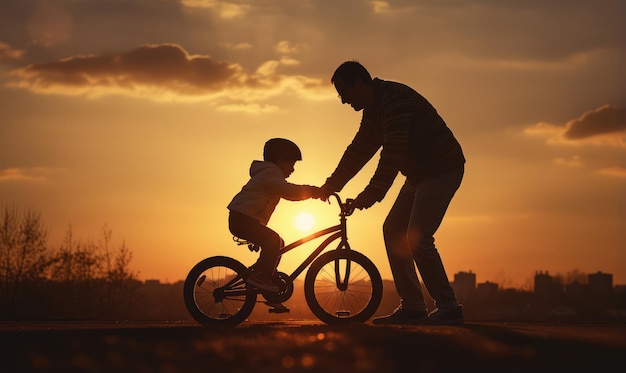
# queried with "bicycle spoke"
point(340, 292)
point(216, 293)
point(333, 298)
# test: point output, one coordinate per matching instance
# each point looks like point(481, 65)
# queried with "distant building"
point(600, 284)
point(486, 289)
point(576, 290)
point(544, 283)
point(152, 282)
point(464, 285)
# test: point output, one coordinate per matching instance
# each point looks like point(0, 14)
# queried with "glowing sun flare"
point(304, 221)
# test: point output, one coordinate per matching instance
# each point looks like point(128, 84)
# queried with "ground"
point(308, 346)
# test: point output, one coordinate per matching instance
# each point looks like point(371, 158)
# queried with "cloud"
point(164, 72)
point(24, 174)
point(574, 161)
point(236, 46)
point(248, 108)
point(8, 53)
point(380, 6)
point(285, 47)
point(602, 121)
point(224, 9)
point(605, 125)
point(616, 171)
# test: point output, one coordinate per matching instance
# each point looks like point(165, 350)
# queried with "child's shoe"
point(262, 281)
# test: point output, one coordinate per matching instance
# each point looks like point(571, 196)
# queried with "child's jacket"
point(267, 185)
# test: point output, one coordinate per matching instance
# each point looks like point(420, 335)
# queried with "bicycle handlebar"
point(346, 207)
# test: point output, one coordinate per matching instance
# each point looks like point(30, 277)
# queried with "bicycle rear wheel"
point(343, 286)
point(215, 292)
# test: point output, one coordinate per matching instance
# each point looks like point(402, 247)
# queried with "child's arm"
point(293, 192)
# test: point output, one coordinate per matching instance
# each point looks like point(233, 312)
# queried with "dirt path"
point(303, 346)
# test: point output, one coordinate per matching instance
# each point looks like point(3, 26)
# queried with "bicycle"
point(341, 285)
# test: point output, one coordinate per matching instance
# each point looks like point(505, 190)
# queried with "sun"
point(304, 221)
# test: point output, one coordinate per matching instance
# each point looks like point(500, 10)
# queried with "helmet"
point(281, 149)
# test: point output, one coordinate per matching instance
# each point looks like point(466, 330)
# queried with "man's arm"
point(397, 113)
point(357, 154)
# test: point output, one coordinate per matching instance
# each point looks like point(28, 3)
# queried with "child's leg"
point(250, 229)
point(270, 243)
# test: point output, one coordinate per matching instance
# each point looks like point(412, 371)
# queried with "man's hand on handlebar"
point(364, 200)
point(325, 192)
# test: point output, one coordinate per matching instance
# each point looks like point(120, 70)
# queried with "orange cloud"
point(574, 161)
point(162, 72)
point(248, 108)
point(24, 174)
point(285, 47)
point(604, 125)
point(616, 171)
point(605, 120)
point(8, 53)
point(223, 8)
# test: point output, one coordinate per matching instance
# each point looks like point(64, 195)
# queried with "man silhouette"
point(415, 141)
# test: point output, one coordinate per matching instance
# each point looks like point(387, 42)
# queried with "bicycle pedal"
point(277, 307)
point(279, 310)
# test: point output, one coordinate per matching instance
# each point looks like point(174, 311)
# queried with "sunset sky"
point(145, 115)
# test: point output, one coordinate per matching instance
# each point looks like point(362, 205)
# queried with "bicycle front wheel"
point(215, 292)
point(343, 286)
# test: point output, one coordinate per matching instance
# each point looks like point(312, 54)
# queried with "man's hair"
point(349, 72)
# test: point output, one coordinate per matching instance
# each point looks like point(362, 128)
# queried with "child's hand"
point(326, 191)
point(318, 193)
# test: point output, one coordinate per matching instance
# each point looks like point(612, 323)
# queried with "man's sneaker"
point(401, 316)
point(262, 281)
point(444, 316)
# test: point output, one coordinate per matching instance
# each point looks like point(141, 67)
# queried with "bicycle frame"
point(338, 231)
